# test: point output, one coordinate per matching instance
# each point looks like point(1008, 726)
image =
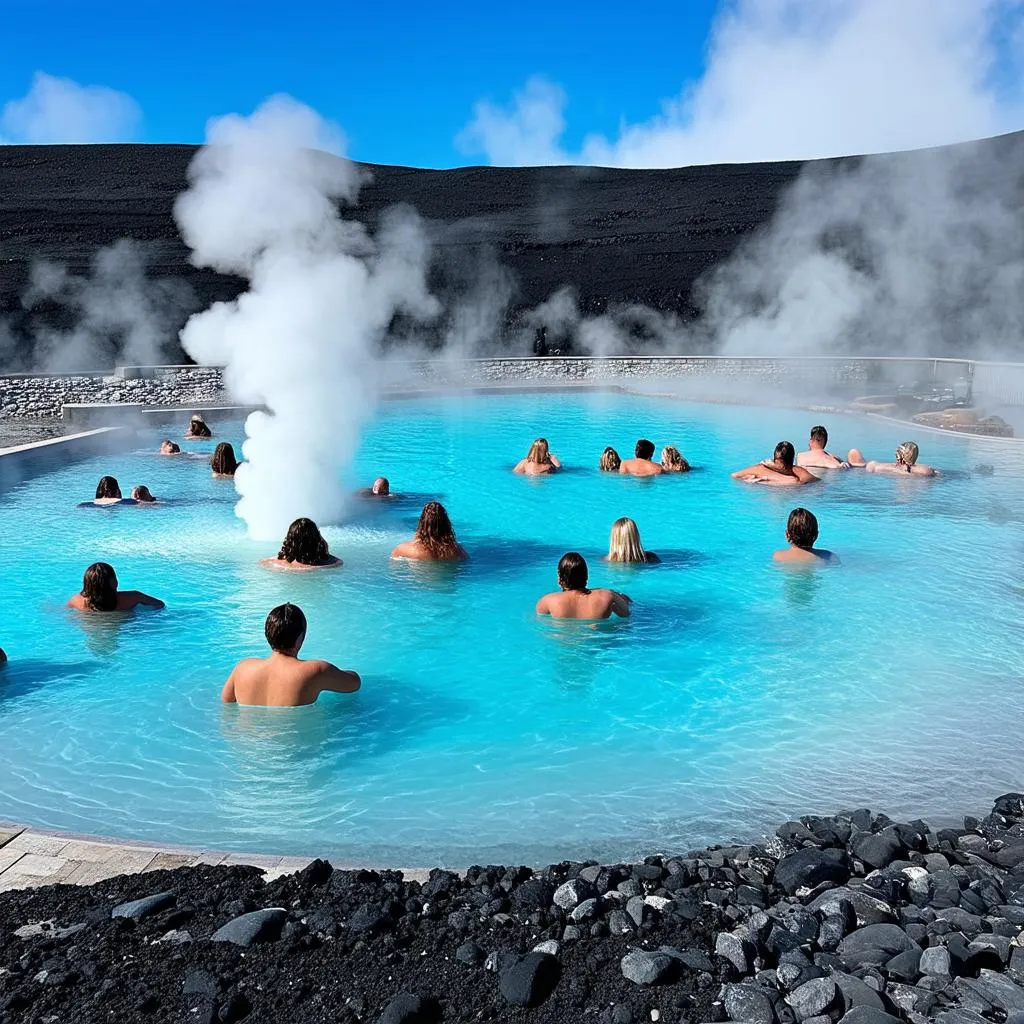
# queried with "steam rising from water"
point(263, 204)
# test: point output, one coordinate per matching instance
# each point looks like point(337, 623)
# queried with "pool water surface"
point(739, 693)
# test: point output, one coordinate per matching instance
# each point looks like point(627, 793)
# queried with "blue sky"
point(647, 83)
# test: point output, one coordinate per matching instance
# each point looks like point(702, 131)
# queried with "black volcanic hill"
point(616, 236)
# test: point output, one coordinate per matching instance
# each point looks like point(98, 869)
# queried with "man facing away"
point(779, 472)
point(643, 464)
point(816, 457)
point(283, 680)
point(802, 534)
point(575, 600)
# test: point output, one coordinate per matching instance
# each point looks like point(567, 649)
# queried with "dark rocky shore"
point(852, 918)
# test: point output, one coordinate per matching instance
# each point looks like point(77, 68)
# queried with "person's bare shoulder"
point(77, 602)
point(407, 549)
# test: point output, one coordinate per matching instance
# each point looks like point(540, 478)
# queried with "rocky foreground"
point(852, 918)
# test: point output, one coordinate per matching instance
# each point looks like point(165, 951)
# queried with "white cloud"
point(59, 110)
point(797, 79)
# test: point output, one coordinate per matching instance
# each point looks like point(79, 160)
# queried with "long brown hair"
point(108, 487)
point(539, 452)
point(304, 543)
point(224, 461)
point(435, 532)
point(99, 587)
point(197, 427)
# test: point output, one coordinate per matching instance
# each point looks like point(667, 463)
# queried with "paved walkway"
point(30, 857)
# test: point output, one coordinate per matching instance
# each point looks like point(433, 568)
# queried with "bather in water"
point(168, 447)
point(539, 460)
point(906, 462)
point(642, 464)
point(223, 462)
point(672, 460)
point(198, 429)
point(304, 548)
point(142, 494)
point(99, 593)
point(624, 544)
point(779, 472)
point(108, 492)
point(575, 600)
point(381, 488)
point(434, 539)
point(802, 534)
point(610, 461)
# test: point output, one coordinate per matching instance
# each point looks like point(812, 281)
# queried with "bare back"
point(818, 458)
point(899, 469)
point(417, 551)
point(584, 604)
point(640, 467)
point(284, 681)
point(534, 468)
point(127, 600)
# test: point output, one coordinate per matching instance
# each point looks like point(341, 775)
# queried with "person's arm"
point(520, 466)
point(135, 597)
point(227, 695)
point(554, 460)
point(804, 476)
point(620, 604)
point(542, 606)
point(750, 473)
point(337, 680)
point(404, 550)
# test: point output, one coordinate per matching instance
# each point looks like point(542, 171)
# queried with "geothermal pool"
point(738, 692)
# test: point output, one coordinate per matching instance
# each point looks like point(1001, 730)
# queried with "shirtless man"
point(642, 464)
point(780, 472)
point(575, 601)
point(816, 457)
point(802, 533)
point(283, 680)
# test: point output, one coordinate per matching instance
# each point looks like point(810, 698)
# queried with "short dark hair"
point(285, 626)
point(644, 449)
point(820, 434)
point(572, 571)
point(802, 528)
point(785, 453)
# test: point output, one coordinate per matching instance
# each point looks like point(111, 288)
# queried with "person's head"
point(907, 453)
point(802, 529)
point(644, 449)
point(304, 544)
point(435, 532)
point(672, 460)
point(610, 460)
point(108, 487)
point(624, 545)
point(99, 587)
point(785, 454)
point(572, 571)
point(381, 487)
point(197, 427)
point(539, 452)
point(224, 461)
point(140, 492)
point(285, 629)
point(168, 447)
point(819, 437)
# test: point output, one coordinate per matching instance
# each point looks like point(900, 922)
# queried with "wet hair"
point(435, 532)
point(644, 449)
point(381, 486)
point(99, 587)
point(304, 543)
point(802, 528)
point(819, 434)
point(539, 452)
point(907, 453)
point(672, 460)
point(140, 492)
point(572, 571)
point(172, 448)
point(785, 453)
point(108, 488)
point(285, 626)
point(197, 427)
point(610, 461)
point(224, 461)
point(624, 544)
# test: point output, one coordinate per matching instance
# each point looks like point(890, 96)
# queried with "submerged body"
point(434, 540)
point(802, 534)
point(575, 600)
point(539, 460)
point(642, 463)
point(780, 471)
point(100, 593)
point(906, 463)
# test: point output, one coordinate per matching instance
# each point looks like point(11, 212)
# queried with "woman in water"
point(434, 539)
point(672, 460)
point(100, 594)
point(304, 548)
point(625, 546)
point(197, 429)
point(168, 447)
point(108, 492)
point(142, 494)
point(906, 462)
point(610, 461)
point(539, 460)
point(223, 462)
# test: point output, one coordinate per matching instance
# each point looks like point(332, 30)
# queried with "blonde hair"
point(907, 453)
point(672, 460)
point(610, 461)
point(539, 452)
point(624, 545)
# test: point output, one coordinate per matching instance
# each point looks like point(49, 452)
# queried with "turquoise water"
point(738, 694)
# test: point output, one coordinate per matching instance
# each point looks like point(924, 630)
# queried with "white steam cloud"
point(263, 204)
point(799, 79)
point(58, 110)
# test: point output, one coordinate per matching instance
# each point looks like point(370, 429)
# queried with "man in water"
point(381, 489)
point(575, 600)
point(642, 464)
point(283, 680)
point(802, 534)
point(816, 457)
point(780, 472)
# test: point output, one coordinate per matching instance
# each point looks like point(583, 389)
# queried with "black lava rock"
point(407, 1008)
point(532, 980)
point(644, 968)
point(138, 909)
point(807, 868)
point(257, 926)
